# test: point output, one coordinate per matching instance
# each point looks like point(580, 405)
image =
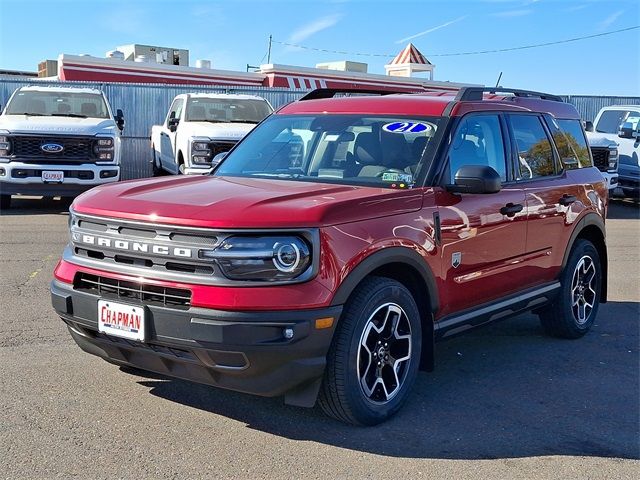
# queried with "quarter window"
point(478, 141)
point(571, 144)
point(535, 153)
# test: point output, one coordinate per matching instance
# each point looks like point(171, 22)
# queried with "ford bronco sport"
point(340, 239)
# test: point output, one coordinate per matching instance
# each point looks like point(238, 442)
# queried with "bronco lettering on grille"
point(132, 246)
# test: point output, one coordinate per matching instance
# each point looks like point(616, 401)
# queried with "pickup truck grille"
point(137, 291)
point(600, 158)
point(220, 147)
point(74, 148)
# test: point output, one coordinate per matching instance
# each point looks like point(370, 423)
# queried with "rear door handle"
point(567, 200)
point(510, 209)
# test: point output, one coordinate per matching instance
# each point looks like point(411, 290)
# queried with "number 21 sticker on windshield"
point(406, 127)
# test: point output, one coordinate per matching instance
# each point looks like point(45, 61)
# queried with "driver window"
point(478, 141)
point(176, 109)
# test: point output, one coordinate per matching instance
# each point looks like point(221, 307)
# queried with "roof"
point(426, 104)
point(410, 54)
point(44, 88)
point(229, 96)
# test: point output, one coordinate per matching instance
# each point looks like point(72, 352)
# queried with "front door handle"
point(510, 209)
point(567, 200)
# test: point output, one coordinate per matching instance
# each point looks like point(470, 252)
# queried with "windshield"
point(226, 110)
point(344, 149)
point(63, 104)
point(611, 120)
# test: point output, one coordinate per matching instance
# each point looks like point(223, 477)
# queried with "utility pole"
point(269, 51)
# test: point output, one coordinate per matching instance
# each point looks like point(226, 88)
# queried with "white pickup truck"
point(57, 141)
point(619, 125)
point(200, 126)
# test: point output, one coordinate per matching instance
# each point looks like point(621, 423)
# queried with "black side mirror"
point(626, 130)
point(173, 122)
point(217, 160)
point(588, 126)
point(120, 119)
point(476, 179)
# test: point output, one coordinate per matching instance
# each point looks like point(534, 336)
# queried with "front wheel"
point(572, 314)
point(373, 360)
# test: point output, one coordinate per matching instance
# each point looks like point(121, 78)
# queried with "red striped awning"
point(410, 54)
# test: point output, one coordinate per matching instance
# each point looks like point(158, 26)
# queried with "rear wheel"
point(5, 202)
point(373, 360)
point(572, 314)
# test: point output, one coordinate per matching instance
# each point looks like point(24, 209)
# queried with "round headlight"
point(286, 256)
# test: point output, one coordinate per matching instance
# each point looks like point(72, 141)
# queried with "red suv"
point(338, 241)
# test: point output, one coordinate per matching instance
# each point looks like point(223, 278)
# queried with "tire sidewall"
point(581, 249)
point(367, 411)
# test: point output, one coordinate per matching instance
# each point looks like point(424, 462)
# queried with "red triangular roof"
point(410, 54)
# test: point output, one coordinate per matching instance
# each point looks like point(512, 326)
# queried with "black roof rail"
point(332, 92)
point(475, 93)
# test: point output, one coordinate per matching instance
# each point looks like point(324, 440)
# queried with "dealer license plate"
point(120, 320)
point(53, 176)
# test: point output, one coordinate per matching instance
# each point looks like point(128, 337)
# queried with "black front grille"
point(600, 158)
point(137, 291)
point(74, 148)
point(220, 147)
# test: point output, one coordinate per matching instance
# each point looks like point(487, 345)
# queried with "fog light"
point(288, 333)
point(108, 173)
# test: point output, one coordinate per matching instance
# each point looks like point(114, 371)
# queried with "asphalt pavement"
point(504, 401)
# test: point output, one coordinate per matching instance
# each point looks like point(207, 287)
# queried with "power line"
point(479, 52)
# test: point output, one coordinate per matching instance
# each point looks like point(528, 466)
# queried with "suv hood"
point(56, 125)
point(218, 131)
point(232, 202)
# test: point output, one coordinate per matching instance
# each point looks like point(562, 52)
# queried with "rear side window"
point(571, 144)
point(535, 153)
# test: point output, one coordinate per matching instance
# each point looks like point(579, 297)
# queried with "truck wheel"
point(572, 314)
point(5, 202)
point(155, 165)
point(374, 357)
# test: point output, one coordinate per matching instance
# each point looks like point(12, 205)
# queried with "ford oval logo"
point(51, 148)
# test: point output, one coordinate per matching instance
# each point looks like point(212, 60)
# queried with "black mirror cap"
point(119, 119)
point(588, 126)
point(476, 179)
point(626, 130)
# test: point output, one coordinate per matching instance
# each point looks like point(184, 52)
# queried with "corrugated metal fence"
point(145, 105)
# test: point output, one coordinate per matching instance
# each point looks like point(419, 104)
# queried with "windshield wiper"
point(242, 121)
point(74, 115)
point(29, 114)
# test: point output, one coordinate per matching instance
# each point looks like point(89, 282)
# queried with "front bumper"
point(611, 179)
point(26, 178)
point(242, 351)
point(197, 170)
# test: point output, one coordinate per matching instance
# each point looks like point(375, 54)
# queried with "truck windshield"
point(345, 149)
point(63, 104)
point(611, 120)
point(226, 110)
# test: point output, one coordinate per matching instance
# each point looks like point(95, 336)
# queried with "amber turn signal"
point(326, 322)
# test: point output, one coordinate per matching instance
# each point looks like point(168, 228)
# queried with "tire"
point(5, 202)
point(354, 389)
point(572, 314)
point(181, 166)
point(156, 168)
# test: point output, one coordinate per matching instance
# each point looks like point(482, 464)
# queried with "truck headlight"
point(5, 146)
point(261, 258)
point(200, 146)
point(104, 149)
point(200, 152)
point(613, 158)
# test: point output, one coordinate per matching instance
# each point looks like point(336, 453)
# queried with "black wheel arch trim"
point(590, 219)
point(384, 257)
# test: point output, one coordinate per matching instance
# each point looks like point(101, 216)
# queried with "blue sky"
point(235, 33)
